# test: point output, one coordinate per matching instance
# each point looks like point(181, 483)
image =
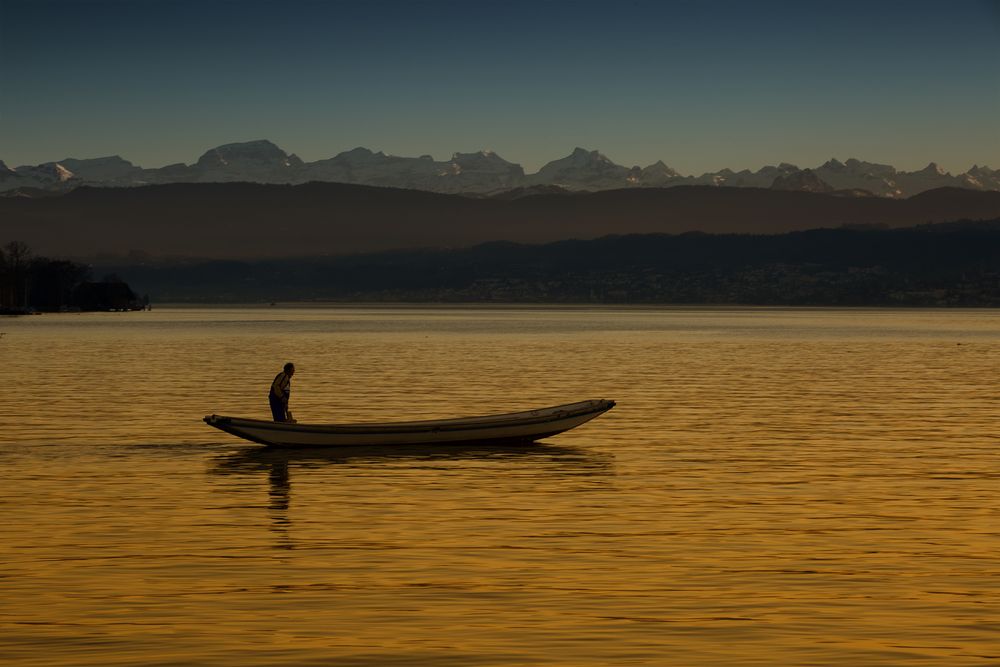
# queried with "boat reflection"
point(277, 461)
point(561, 458)
point(586, 468)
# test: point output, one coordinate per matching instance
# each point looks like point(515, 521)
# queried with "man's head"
point(289, 368)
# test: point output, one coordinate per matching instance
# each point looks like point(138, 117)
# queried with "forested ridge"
point(951, 264)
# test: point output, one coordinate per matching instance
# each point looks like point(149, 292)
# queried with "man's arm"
point(277, 387)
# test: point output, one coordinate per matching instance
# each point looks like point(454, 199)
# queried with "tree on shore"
point(37, 283)
point(55, 283)
point(15, 260)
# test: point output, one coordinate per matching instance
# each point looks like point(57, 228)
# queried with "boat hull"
point(514, 427)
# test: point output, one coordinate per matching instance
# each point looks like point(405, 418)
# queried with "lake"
point(775, 486)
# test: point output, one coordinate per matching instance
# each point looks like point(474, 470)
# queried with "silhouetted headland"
point(38, 284)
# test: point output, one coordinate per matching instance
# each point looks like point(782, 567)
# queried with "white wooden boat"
point(526, 426)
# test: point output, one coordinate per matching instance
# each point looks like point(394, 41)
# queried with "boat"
point(513, 427)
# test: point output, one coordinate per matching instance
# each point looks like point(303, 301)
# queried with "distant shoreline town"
point(479, 173)
point(950, 264)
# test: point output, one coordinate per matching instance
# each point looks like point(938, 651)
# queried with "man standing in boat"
point(281, 388)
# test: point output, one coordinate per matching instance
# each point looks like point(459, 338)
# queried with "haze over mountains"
point(251, 220)
point(482, 173)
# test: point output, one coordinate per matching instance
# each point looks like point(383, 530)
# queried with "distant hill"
point(955, 264)
point(243, 220)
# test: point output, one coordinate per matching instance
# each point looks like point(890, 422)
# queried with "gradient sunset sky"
point(700, 85)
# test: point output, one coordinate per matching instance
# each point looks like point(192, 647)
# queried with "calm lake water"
point(808, 487)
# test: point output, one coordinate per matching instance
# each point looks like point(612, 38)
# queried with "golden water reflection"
point(775, 486)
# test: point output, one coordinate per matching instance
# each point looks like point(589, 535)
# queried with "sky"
point(699, 85)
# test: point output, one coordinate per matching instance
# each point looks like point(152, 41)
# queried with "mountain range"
point(478, 174)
